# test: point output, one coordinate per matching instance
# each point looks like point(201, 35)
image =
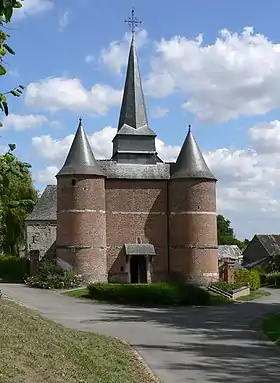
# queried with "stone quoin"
point(132, 218)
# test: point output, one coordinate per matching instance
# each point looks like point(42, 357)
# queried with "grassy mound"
point(154, 294)
point(36, 350)
point(271, 327)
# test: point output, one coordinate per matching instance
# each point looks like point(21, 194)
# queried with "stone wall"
point(136, 212)
point(40, 236)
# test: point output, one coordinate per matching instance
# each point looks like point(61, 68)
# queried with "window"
point(74, 182)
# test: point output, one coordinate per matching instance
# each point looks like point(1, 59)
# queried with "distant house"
point(261, 249)
point(229, 252)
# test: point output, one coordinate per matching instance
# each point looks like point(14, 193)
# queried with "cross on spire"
point(133, 22)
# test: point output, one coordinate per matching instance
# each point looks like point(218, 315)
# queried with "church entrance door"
point(138, 269)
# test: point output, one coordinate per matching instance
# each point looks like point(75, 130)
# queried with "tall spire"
point(190, 162)
point(80, 159)
point(134, 141)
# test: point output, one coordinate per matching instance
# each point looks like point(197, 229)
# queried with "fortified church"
point(132, 218)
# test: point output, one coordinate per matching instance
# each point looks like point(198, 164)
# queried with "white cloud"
point(159, 112)
point(64, 21)
point(248, 179)
point(32, 7)
point(114, 57)
point(89, 59)
point(18, 122)
point(59, 93)
point(238, 75)
point(46, 177)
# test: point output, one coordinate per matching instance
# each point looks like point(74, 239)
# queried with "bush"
point(173, 294)
point(248, 277)
point(51, 276)
point(273, 279)
point(13, 269)
point(227, 286)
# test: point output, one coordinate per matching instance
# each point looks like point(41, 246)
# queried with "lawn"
point(34, 349)
point(254, 295)
point(271, 327)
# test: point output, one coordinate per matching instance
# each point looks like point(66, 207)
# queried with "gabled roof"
point(80, 159)
point(229, 251)
point(271, 242)
point(190, 162)
point(45, 209)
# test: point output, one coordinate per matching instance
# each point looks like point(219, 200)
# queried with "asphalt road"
point(219, 344)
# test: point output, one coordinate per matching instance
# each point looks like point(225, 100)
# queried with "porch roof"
point(139, 249)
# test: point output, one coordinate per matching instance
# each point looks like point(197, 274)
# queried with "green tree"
point(6, 11)
point(17, 198)
point(226, 234)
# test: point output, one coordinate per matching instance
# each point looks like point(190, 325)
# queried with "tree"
point(6, 11)
point(18, 197)
point(226, 234)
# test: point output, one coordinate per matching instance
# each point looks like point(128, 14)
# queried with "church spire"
point(190, 162)
point(134, 141)
point(80, 159)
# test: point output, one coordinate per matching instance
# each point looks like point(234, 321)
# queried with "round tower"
point(81, 216)
point(193, 247)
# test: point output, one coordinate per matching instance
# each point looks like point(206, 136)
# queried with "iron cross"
point(133, 22)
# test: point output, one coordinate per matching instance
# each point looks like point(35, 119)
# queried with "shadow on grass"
point(219, 344)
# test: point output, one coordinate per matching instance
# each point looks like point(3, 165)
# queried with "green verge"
point(271, 327)
point(34, 349)
point(122, 297)
point(254, 295)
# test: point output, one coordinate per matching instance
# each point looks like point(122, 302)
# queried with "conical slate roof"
point(80, 159)
point(190, 162)
point(133, 109)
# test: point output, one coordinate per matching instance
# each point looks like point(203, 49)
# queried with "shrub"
point(173, 294)
point(227, 286)
point(13, 269)
point(248, 277)
point(273, 279)
point(51, 276)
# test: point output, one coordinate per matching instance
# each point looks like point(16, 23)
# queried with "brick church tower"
point(81, 216)
point(132, 218)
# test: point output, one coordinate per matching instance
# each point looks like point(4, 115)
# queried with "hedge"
point(13, 269)
point(248, 277)
point(272, 279)
point(172, 294)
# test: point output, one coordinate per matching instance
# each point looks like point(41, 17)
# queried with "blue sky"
point(228, 82)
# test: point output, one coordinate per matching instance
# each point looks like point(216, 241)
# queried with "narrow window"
point(74, 182)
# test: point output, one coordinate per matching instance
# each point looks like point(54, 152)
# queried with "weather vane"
point(133, 22)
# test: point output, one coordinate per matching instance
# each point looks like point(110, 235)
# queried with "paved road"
point(199, 344)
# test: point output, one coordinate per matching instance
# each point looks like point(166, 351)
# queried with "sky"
point(214, 65)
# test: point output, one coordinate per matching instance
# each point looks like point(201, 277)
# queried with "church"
point(132, 218)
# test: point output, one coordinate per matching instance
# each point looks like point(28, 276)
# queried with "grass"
point(215, 299)
point(271, 327)
point(254, 295)
point(34, 349)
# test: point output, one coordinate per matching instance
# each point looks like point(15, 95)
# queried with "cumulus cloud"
point(18, 122)
point(159, 112)
point(59, 93)
point(114, 57)
point(237, 75)
point(32, 7)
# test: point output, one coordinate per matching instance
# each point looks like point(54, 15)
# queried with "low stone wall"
point(241, 292)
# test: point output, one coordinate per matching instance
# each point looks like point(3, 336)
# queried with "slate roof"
point(229, 251)
point(139, 249)
point(271, 243)
point(190, 162)
point(45, 210)
point(80, 159)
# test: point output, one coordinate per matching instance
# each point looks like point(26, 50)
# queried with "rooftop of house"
point(229, 251)
point(271, 242)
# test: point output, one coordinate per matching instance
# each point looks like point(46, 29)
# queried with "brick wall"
point(136, 210)
point(81, 225)
point(193, 230)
